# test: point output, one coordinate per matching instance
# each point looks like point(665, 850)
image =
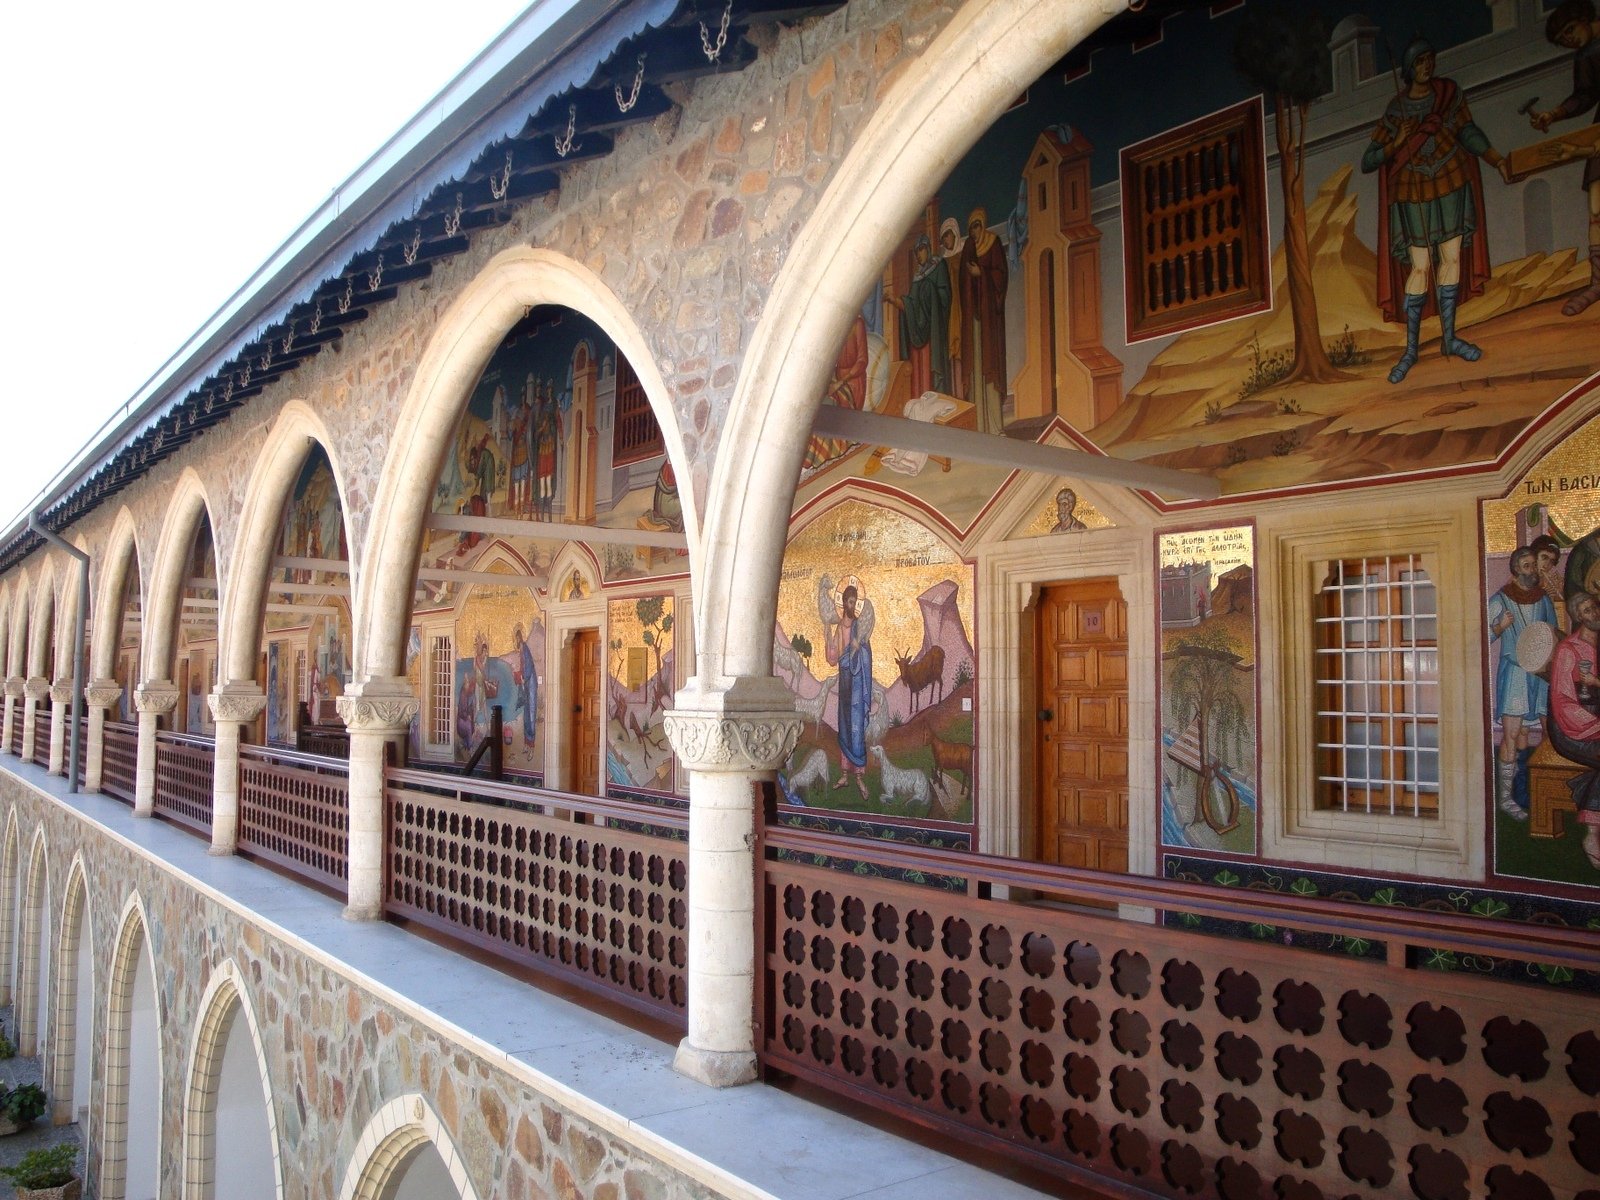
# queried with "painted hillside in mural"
point(1542, 622)
point(1356, 243)
point(874, 639)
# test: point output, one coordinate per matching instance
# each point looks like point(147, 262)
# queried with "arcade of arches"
point(919, 453)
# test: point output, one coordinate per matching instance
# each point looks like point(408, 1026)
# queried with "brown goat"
point(950, 756)
point(925, 673)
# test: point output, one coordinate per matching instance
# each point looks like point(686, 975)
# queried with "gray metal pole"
point(76, 729)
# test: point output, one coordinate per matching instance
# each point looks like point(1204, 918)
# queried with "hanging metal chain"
point(244, 376)
point(633, 97)
point(410, 251)
point(566, 145)
point(316, 320)
point(499, 187)
point(266, 359)
point(714, 51)
point(452, 223)
point(349, 293)
point(375, 279)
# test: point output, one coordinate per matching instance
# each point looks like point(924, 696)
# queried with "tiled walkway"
point(754, 1141)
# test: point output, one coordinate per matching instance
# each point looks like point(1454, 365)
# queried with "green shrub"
point(23, 1103)
point(47, 1168)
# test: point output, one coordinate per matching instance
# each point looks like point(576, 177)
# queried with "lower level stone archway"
point(405, 1153)
point(130, 1146)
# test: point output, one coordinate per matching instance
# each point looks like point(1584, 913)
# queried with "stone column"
point(377, 712)
point(731, 740)
point(234, 705)
point(60, 717)
point(152, 699)
point(34, 690)
point(13, 693)
point(100, 695)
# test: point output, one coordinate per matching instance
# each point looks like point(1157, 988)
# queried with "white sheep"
point(816, 705)
point(813, 770)
point(903, 781)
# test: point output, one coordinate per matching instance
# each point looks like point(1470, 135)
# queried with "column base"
point(715, 1068)
point(221, 851)
point(363, 912)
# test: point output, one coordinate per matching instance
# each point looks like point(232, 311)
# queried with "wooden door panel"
point(1083, 737)
point(586, 710)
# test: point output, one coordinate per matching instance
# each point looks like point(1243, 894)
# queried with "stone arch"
point(467, 336)
point(67, 611)
point(123, 1141)
point(393, 1137)
point(10, 901)
point(33, 951)
point(224, 1002)
point(271, 481)
point(42, 624)
point(7, 620)
point(73, 1040)
point(189, 505)
point(977, 66)
point(17, 635)
point(121, 551)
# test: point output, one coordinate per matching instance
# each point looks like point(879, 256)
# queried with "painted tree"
point(657, 622)
point(1286, 55)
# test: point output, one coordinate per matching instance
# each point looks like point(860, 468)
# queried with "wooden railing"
point(598, 905)
point(1171, 1061)
point(119, 760)
point(15, 704)
point(184, 769)
point(329, 741)
point(43, 721)
point(294, 811)
point(83, 751)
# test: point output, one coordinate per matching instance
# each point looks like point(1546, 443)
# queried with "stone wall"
point(337, 1052)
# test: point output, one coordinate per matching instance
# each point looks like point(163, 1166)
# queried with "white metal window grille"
point(441, 659)
point(300, 691)
point(1377, 694)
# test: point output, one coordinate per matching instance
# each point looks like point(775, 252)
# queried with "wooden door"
point(1082, 649)
point(583, 741)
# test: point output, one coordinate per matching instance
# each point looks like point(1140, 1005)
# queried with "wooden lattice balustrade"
point(43, 719)
point(83, 751)
point(601, 905)
point(119, 760)
point(15, 705)
point(294, 811)
point(1174, 1062)
point(184, 769)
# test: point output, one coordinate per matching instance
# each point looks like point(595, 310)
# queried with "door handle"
point(1047, 714)
point(577, 708)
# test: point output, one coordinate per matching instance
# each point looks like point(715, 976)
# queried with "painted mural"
point(197, 637)
point(500, 647)
point(1364, 240)
point(873, 637)
point(1542, 620)
point(1208, 690)
point(312, 528)
point(640, 684)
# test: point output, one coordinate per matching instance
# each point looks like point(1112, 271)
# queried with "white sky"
point(155, 155)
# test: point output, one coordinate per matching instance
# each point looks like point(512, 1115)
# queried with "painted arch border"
point(395, 1131)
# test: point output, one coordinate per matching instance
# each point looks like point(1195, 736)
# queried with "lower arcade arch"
point(130, 1155)
point(406, 1153)
point(73, 1022)
point(33, 952)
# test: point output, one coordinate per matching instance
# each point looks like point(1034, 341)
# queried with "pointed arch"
point(392, 1138)
point(75, 930)
point(225, 1001)
point(10, 902)
point(132, 949)
point(17, 636)
point(987, 55)
point(33, 949)
point(189, 505)
point(272, 481)
point(121, 552)
point(467, 336)
point(7, 620)
point(67, 611)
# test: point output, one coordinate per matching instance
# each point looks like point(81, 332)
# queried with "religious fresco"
point(557, 430)
point(312, 527)
point(1137, 262)
point(280, 721)
point(639, 690)
point(1064, 512)
point(1209, 768)
point(500, 646)
point(1542, 621)
point(873, 637)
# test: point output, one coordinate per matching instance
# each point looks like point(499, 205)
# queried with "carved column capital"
point(742, 742)
point(14, 686)
point(378, 706)
point(236, 701)
point(102, 693)
point(158, 696)
point(61, 693)
point(36, 687)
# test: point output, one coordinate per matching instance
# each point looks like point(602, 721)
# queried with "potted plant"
point(19, 1106)
point(48, 1174)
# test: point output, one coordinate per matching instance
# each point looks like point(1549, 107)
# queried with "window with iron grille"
point(1377, 687)
point(636, 434)
point(1194, 224)
point(441, 659)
